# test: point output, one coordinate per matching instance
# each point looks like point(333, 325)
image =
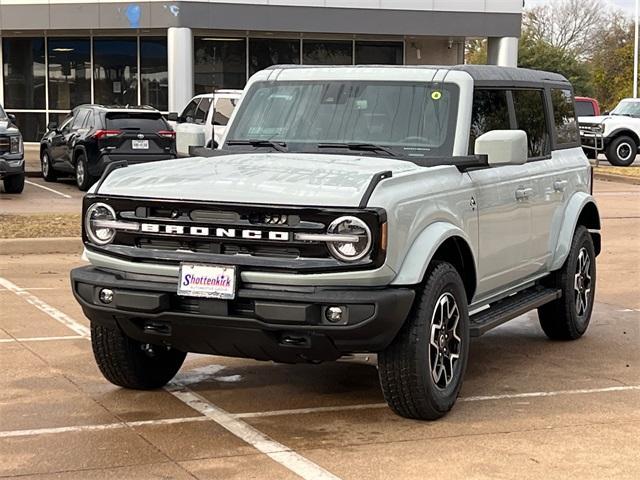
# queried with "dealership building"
point(57, 54)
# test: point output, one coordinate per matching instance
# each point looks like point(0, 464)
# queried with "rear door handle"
point(524, 193)
point(560, 185)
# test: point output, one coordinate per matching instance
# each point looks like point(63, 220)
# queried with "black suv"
point(92, 136)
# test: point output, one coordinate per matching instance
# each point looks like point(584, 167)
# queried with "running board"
point(511, 307)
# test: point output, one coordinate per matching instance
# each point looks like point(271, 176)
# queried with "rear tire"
point(84, 179)
point(48, 172)
point(568, 317)
point(130, 364)
point(622, 151)
point(14, 183)
point(421, 372)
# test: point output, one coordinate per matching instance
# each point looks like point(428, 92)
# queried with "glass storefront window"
point(327, 52)
point(219, 63)
point(115, 70)
point(154, 78)
point(264, 52)
point(32, 125)
point(379, 53)
point(23, 72)
point(69, 72)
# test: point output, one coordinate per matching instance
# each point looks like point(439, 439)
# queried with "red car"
point(587, 107)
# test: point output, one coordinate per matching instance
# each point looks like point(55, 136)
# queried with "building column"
point(180, 63)
point(502, 51)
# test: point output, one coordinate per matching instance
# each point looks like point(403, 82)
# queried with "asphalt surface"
point(529, 408)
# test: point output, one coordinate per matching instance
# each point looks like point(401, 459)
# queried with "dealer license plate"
point(140, 144)
point(207, 281)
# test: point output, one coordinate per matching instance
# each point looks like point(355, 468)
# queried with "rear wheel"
point(130, 364)
point(14, 183)
point(421, 372)
point(568, 317)
point(48, 172)
point(622, 151)
point(83, 179)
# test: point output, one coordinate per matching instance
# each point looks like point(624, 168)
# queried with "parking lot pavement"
point(530, 408)
point(43, 197)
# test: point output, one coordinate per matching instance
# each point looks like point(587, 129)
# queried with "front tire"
point(622, 151)
point(568, 317)
point(84, 179)
point(421, 372)
point(14, 183)
point(130, 364)
point(48, 172)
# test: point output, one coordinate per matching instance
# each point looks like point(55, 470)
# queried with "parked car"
point(616, 134)
point(587, 107)
point(93, 136)
point(11, 154)
point(204, 120)
point(392, 210)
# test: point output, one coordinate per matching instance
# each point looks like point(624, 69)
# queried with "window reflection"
point(115, 71)
point(23, 72)
point(153, 72)
point(69, 72)
point(219, 63)
point(264, 52)
point(327, 52)
point(32, 125)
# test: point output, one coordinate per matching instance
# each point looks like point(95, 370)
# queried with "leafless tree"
point(570, 25)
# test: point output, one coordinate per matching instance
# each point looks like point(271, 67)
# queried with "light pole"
point(635, 54)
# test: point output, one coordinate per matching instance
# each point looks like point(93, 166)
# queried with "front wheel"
point(622, 151)
point(421, 372)
point(14, 183)
point(130, 364)
point(568, 317)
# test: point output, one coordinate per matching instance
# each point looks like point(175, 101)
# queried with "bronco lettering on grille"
point(215, 232)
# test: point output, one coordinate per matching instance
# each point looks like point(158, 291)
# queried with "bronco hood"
point(258, 178)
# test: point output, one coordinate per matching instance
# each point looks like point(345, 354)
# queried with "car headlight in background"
point(97, 222)
point(15, 144)
point(350, 251)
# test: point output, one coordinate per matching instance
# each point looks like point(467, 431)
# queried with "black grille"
point(5, 144)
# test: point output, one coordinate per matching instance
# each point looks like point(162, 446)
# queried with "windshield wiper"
point(279, 146)
point(365, 147)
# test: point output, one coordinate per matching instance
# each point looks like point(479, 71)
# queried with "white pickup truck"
point(204, 120)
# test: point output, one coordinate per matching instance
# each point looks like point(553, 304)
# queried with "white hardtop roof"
point(219, 93)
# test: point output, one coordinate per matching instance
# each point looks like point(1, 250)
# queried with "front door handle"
point(560, 185)
point(524, 193)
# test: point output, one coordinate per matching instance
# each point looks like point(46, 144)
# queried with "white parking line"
point(54, 313)
point(32, 289)
point(41, 339)
point(48, 189)
point(282, 454)
point(94, 428)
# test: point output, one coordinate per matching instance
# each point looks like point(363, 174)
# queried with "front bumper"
point(11, 164)
point(284, 324)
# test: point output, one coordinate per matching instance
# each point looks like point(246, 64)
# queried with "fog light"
point(106, 295)
point(334, 314)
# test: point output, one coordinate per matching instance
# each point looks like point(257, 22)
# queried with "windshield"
point(405, 118)
point(627, 108)
point(3, 115)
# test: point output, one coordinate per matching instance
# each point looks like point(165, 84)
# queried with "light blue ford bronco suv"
point(393, 210)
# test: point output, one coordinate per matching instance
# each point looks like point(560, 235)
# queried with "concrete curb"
point(608, 177)
point(40, 246)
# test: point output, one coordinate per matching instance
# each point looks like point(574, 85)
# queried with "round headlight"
point(350, 251)
point(100, 235)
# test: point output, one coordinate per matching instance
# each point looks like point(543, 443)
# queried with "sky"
point(626, 5)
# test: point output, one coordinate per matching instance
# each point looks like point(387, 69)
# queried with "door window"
point(224, 109)
point(202, 111)
point(490, 112)
point(189, 113)
point(530, 116)
point(564, 116)
point(79, 119)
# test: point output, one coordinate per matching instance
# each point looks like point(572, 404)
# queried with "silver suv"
point(394, 210)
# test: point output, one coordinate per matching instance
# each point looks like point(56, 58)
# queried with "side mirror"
point(52, 125)
point(12, 117)
point(172, 117)
point(606, 112)
point(214, 145)
point(503, 147)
